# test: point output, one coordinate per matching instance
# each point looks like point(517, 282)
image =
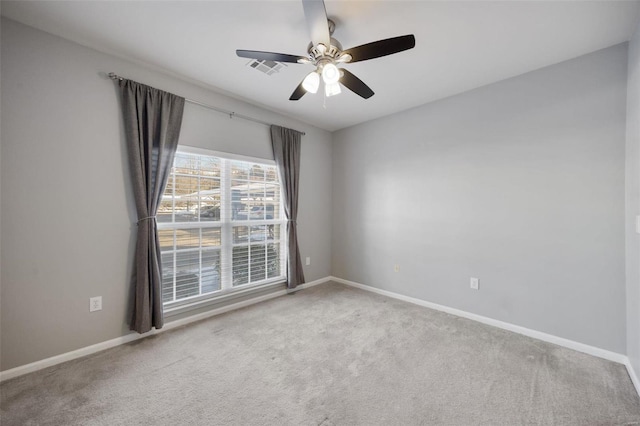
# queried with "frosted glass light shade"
point(330, 74)
point(311, 82)
point(332, 89)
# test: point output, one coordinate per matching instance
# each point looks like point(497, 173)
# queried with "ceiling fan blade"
point(381, 48)
point(354, 84)
point(269, 56)
point(298, 93)
point(316, 15)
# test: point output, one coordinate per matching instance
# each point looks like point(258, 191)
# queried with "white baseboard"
point(634, 377)
point(88, 350)
point(560, 341)
point(309, 284)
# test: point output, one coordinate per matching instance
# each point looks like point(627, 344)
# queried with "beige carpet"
point(329, 355)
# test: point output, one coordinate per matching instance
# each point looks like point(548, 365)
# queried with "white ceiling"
point(460, 45)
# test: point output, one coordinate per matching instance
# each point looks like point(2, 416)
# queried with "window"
point(220, 225)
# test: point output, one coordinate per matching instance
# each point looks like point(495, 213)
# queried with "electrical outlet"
point(95, 304)
point(475, 283)
point(396, 268)
point(308, 261)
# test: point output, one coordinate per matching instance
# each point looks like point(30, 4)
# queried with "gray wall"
point(68, 217)
point(520, 183)
point(633, 203)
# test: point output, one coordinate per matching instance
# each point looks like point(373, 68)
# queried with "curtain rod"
point(231, 114)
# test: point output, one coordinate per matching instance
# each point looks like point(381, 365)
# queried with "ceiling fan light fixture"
point(332, 89)
point(311, 82)
point(330, 74)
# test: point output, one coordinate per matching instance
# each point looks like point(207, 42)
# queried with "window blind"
point(220, 226)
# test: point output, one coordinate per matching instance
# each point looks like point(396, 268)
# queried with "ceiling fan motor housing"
point(321, 51)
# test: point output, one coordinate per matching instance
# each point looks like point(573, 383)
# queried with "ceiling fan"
point(325, 53)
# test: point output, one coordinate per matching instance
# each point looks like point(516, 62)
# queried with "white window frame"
point(226, 248)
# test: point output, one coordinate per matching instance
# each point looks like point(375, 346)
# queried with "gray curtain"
point(286, 152)
point(152, 120)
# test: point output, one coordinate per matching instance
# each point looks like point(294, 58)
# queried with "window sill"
point(221, 299)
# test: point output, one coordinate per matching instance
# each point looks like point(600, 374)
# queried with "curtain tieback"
point(146, 218)
point(291, 220)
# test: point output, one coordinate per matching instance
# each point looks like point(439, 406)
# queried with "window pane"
point(209, 197)
point(210, 271)
point(272, 174)
point(240, 234)
point(239, 200)
point(187, 270)
point(168, 190)
point(258, 262)
point(240, 265)
point(166, 239)
point(187, 238)
point(209, 166)
point(256, 172)
point(257, 210)
point(272, 202)
point(256, 201)
point(186, 199)
point(184, 163)
point(273, 260)
point(209, 212)
point(239, 170)
point(273, 232)
point(258, 233)
point(211, 237)
point(167, 277)
point(165, 209)
point(236, 205)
